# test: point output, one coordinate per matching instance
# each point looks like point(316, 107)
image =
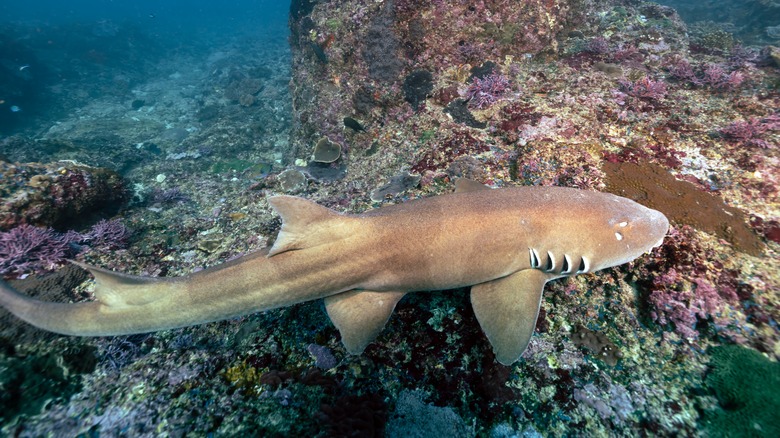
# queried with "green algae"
point(30, 382)
point(747, 386)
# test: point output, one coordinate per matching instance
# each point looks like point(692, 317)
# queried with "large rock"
point(366, 62)
point(59, 194)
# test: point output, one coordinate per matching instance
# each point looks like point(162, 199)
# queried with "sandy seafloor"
point(680, 342)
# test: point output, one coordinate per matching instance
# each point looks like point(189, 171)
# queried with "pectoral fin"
point(361, 315)
point(507, 308)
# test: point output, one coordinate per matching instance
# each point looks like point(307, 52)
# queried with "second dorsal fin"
point(463, 185)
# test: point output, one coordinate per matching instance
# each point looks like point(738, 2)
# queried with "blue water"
point(189, 15)
point(47, 44)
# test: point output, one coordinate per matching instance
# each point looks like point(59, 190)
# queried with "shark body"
point(504, 243)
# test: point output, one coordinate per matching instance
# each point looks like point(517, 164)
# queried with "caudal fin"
point(124, 304)
point(116, 290)
point(54, 317)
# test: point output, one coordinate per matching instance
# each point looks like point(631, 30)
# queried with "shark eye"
point(566, 268)
point(584, 266)
point(550, 262)
point(535, 263)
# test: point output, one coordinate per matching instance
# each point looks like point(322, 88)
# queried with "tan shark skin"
point(505, 243)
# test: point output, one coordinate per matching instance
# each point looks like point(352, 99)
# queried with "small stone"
point(292, 181)
point(210, 245)
point(323, 357)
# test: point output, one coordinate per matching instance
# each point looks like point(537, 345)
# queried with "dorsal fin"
point(304, 223)
point(463, 185)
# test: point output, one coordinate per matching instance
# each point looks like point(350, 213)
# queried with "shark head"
point(596, 231)
point(629, 232)
point(566, 232)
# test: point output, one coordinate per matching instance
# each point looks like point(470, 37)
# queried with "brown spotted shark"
point(504, 243)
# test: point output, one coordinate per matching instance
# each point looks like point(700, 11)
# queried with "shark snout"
point(633, 231)
point(661, 226)
point(651, 227)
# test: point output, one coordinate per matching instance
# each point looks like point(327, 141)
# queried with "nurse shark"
point(506, 244)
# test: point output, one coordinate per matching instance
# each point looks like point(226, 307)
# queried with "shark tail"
point(117, 290)
point(117, 298)
point(50, 316)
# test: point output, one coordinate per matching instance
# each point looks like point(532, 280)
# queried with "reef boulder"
point(58, 194)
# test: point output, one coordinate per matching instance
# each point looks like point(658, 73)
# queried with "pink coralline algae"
point(641, 95)
point(673, 303)
point(694, 295)
point(705, 75)
point(682, 70)
point(26, 249)
point(688, 287)
point(717, 78)
point(645, 88)
point(105, 234)
point(598, 45)
point(752, 131)
point(615, 403)
point(486, 91)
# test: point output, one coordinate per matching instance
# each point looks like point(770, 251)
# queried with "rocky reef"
point(391, 101)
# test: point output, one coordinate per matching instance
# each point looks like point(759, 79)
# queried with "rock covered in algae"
point(56, 194)
point(291, 181)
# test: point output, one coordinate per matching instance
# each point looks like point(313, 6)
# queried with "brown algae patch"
point(682, 202)
point(598, 344)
